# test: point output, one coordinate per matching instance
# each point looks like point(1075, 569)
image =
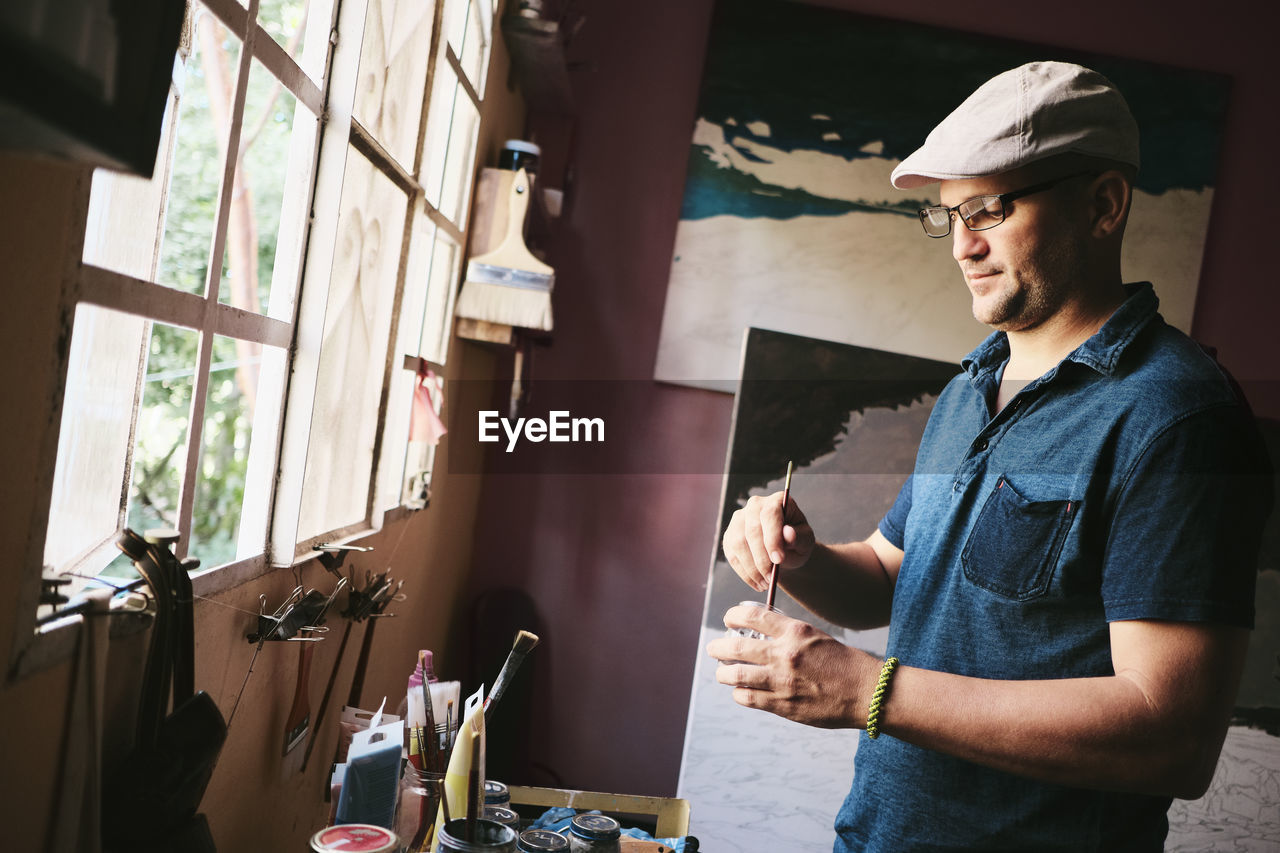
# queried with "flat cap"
point(1022, 115)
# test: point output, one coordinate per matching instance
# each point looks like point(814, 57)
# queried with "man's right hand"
point(757, 537)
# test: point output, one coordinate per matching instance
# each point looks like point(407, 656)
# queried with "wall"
point(250, 806)
point(617, 563)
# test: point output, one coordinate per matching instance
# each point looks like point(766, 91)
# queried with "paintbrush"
point(328, 691)
point(475, 788)
point(773, 575)
point(524, 642)
point(448, 727)
point(310, 611)
point(508, 285)
point(431, 758)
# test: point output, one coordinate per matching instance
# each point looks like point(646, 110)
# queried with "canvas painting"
point(789, 221)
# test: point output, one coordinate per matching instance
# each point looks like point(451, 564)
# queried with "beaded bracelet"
point(877, 698)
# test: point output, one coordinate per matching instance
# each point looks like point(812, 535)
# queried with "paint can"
point(355, 838)
point(595, 833)
point(490, 837)
point(517, 154)
point(496, 794)
point(541, 841)
point(502, 815)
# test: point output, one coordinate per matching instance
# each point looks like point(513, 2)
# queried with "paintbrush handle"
point(505, 675)
point(299, 719)
point(328, 691)
point(475, 788)
point(773, 575)
point(511, 252)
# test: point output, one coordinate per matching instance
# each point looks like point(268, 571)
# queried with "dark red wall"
point(616, 562)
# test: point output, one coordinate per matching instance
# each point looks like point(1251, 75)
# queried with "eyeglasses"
point(982, 211)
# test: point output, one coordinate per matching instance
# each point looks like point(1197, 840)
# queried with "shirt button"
point(981, 445)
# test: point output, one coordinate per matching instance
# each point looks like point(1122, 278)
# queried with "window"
point(248, 322)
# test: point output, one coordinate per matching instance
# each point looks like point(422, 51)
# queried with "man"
point(1068, 574)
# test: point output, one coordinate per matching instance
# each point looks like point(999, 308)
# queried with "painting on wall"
point(789, 221)
point(851, 418)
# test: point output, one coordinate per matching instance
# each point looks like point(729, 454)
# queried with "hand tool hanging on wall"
point(366, 604)
point(150, 798)
point(361, 604)
point(297, 723)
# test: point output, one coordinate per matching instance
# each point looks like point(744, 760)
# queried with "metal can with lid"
point(496, 794)
point(519, 154)
point(541, 841)
point(504, 816)
point(595, 833)
point(355, 838)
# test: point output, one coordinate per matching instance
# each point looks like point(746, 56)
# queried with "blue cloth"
point(1123, 484)
point(558, 818)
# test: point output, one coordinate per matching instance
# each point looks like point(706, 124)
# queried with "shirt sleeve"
point(894, 524)
point(1187, 525)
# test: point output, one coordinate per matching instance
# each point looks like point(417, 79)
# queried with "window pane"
point(444, 91)
point(204, 114)
point(396, 436)
point(413, 305)
point(445, 261)
point(474, 56)
point(263, 446)
point(124, 212)
point(93, 440)
point(354, 351)
point(228, 436)
point(160, 443)
point(393, 73)
point(455, 193)
point(456, 13)
point(264, 227)
point(286, 22)
point(416, 283)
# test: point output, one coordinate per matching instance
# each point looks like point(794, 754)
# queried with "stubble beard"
point(1034, 290)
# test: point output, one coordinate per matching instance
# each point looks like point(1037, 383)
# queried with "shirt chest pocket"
point(1014, 546)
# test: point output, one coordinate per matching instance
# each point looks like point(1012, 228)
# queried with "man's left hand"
point(800, 672)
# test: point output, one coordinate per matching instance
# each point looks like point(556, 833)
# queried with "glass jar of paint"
point(541, 841)
point(750, 633)
point(594, 833)
point(496, 794)
point(489, 837)
point(502, 815)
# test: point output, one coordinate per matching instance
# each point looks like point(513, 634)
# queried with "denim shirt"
point(1122, 484)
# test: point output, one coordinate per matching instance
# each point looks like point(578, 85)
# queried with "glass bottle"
point(749, 633)
point(418, 805)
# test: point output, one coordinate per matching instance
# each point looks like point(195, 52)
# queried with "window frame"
point(338, 135)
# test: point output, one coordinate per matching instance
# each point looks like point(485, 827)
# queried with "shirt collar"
point(1101, 352)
